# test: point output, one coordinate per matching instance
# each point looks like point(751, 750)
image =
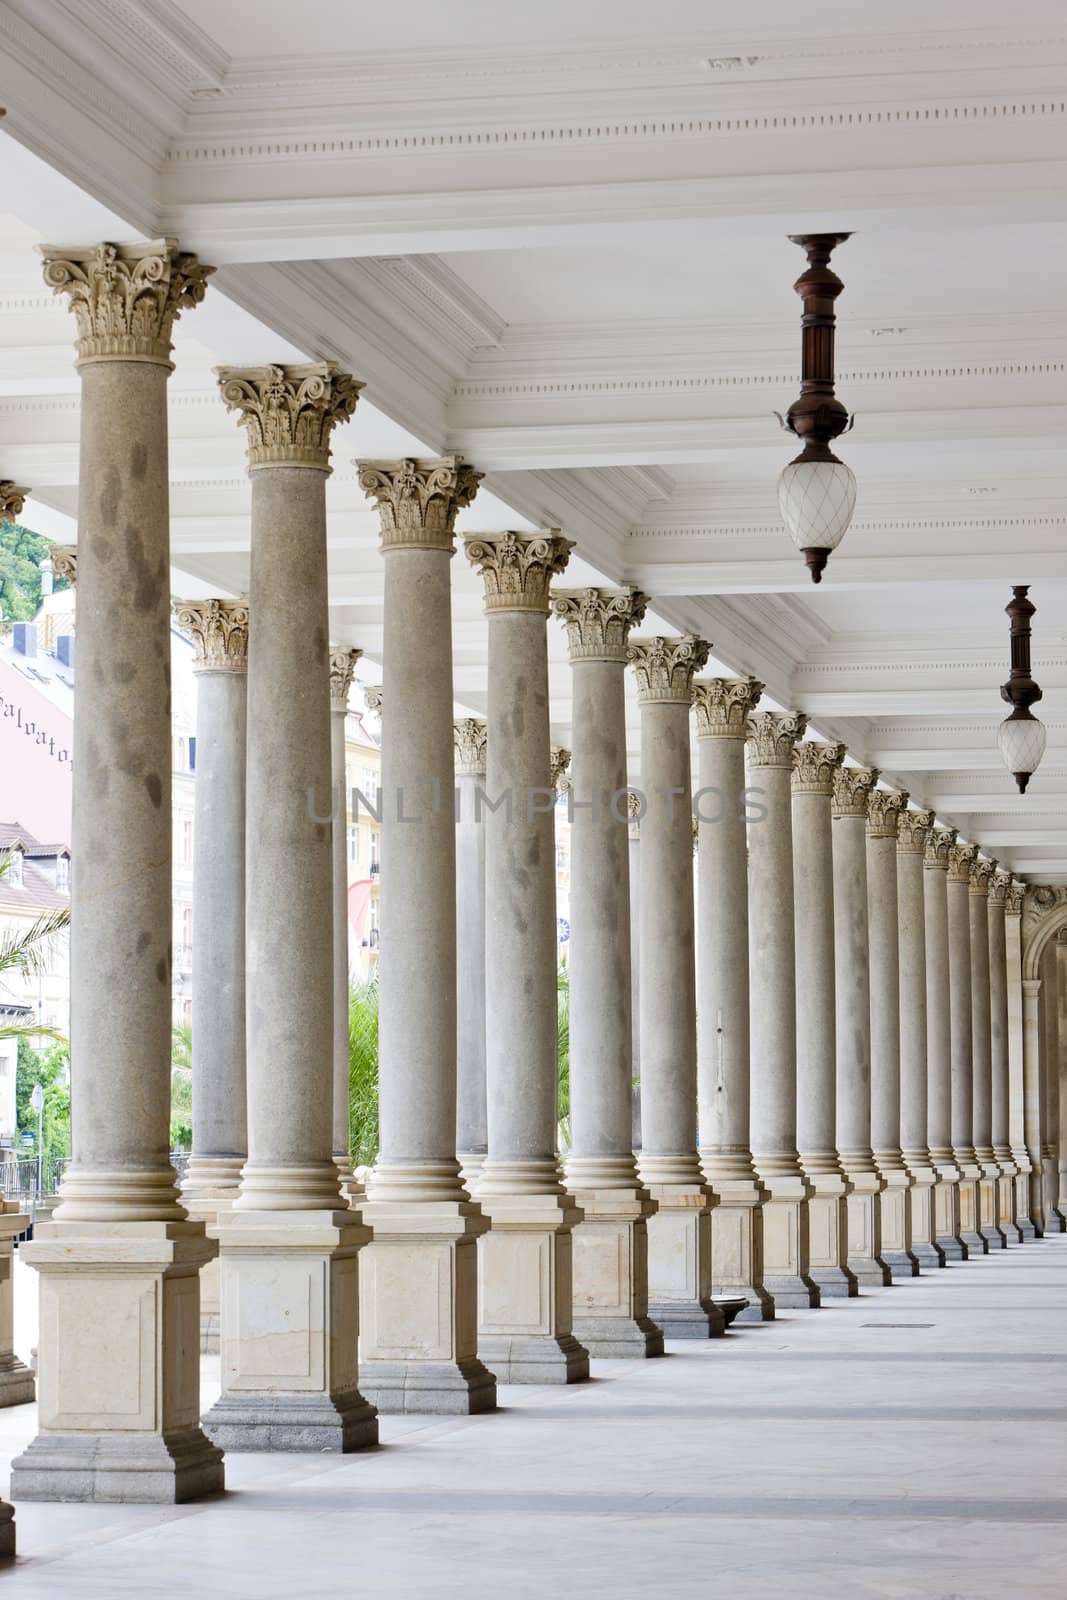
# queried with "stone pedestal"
point(611, 1317)
point(722, 709)
point(961, 860)
point(16, 1380)
point(939, 1045)
point(526, 1275)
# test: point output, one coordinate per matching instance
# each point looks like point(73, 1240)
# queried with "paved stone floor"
point(911, 1443)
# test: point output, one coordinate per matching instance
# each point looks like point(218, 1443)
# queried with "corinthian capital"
point(12, 500)
point(220, 633)
point(772, 736)
point(418, 499)
point(913, 831)
point(559, 761)
point(342, 671)
point(852, 786)
point(961, 859)
point(64, 559)
point(664, 668)
point(517, 568)
point(999, 888)
point(598, 621)
point(724, 705)
point(289, 412)
point(939, 848)
point(1013, 900)
point(883, 812)
point(125, 297)
point(372, 698)
point(982, 876)
point(470, 736)
point(814, 765)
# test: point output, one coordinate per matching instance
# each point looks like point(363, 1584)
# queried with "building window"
point(192, 754)
point(187, 925)
point(187, 842)
point(62, 872)
point(14, 871)
point(353, 843)
point(181, 755)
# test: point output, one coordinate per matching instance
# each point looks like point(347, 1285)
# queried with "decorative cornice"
point(664, 668)
point(598, 621)
point(418, 499)
point(961, 859)
point(852, 786)
point(1013, 900)
point(470, 737)
point(12, 500)
point(883, 811)
point(517, 568)
point(913, 832)
point(125, 297)
point(220, 633)
point(64, 558)
point(939, 848)
point(981, 876)
point(814, 765)
point(559, 762)
point(772, 736)
point(289, 412)
point(372, 698)
point(342, 671)
point(724, 705)
point(999, 888)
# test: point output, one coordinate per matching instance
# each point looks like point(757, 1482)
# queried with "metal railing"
point(18, 1178)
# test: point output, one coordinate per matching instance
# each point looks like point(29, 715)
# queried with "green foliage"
point(24, 954)
point(181, 1086)
point(563, 1036)
point(21, 552)
point(49, 1069)
point(363, 1072)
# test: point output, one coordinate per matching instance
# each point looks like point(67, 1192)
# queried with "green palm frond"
point(363, 1072)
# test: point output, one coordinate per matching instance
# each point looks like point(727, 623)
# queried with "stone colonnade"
point(843, 1072)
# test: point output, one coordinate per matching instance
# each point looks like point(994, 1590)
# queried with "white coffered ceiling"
point(558, 245)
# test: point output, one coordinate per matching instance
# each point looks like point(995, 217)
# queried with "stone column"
point(722, 708)
point(1004, 1213)
point(525, 1262)
point(939, 1045)
point(679, 1235)
point(634, 807)
point(342, 671)
point(814, 765)
point(982, 1055)
point(611, 1244)
point(913, 832)
point(772, 1010)
point(1025, 1212)
point(469, 737)
point(220, 1124)
point(961, 861)
point(119, 1352)
point(420, 1283)
point(1033, 1108)
point(1058, 1086)
point(852, 787)
point(288, 1248)
point(1050, 1119)
point(883, 809)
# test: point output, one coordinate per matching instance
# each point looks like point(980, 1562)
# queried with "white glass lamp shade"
point(817, 499)
point(1022, 744)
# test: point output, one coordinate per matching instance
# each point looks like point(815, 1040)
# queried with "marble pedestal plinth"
point(828, 1236)
point(988, 1206)
point(289, 1344)
point(207, 1202)
point(1005, 1201)
point(418, 1308)
point(895, 1202)
point(737, 1249)
point(1024, 1220)
point(17, 1385)
point(525, 1290)
point(786, 1243)
point(679, 1263)
point(970, 1210)
point(1050, 1181)
point(865, 1231)
point(611, 1316)
point(924, 1246)
point(947, 1213)
point(121, 1423)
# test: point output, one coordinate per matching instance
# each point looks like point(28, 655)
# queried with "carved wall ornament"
point(999, 888)
point(598, 621)
point(64, 558)
point(961, 859)
point(12, 500)
point(419, 498)
point(559, 762)
point(814, 765)
point(939, 848)
point(289, 412)
point(125, 297)
point(883, 812)
point(372, 698)
point(913, 831)
point(772, 736)
point(342, 671)
point(470, 737)
point(517, 568)
point(724, 705)
point(664, 668)
point(852, 787)
point(982, 876)
point(219, 630)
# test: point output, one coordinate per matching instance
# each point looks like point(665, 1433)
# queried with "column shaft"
point(1051, 1045)
point(961, 860)
point(939, 1045)
point(982, 1054)
point(1000, 1067)
point(1033, 1102)
point(1027, 1212)
point(471, 1129)
point(342, 669)
point(913, 832)
point(1058, 1086)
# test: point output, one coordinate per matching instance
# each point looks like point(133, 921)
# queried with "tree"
point(51, 1071)
point(563, 1042)
point(23, 954)
point(21, 552)
point(181, 1086)
point(363, 1072)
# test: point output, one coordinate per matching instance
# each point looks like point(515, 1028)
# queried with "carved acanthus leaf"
point(598, 621)
point(125, 297)
point(883, 811)
point(470, 735)
point(1013, 900)
point(939, 848)
point(64, 558)
point(220, 633)
point(1000, 888)
point(852, 788)
point(961, 859)
point(342, 671)
point(517, 568)
point(418, 499)
point(558, 765)
point(814, 765)
point(724, 705)
point(982, 875)
point(772, 736)
point(664, 668)
point(913, 831)
point(12, 500)
point(372, 698)
point(289, 412)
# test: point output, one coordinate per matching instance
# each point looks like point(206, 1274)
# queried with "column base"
point(1005, 1203)
point(828, 1236)
point(18, 1387)
point(212, 1184)
point(679, 1263)
point(787, 1242)
point(611, 1274)
point(17, 1384)
point(1023, 1211)
point(419, 1309)
point(737, 1249)
point(970, 1211)
point(947, 1213)
point(895, 1201)
point(865, 1260)
point(290, 1329)
point(7, 1530)
point(924, 1247)
point(525, 1280)
point(471, 1164)
point(988, 1226)
point(119, 1365)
